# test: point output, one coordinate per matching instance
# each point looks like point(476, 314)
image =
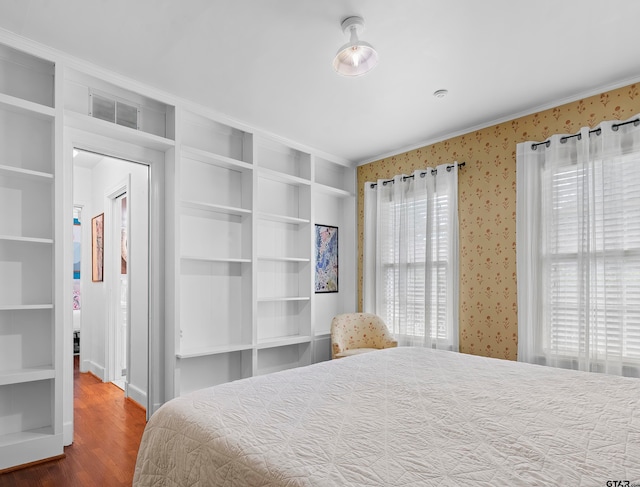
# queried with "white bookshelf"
point(213, 180)
point(30, 363)
point(282, 356)
point(233, 251)
point(283, 246)
point(197, 372)
point(30, 374)
point(243, 302)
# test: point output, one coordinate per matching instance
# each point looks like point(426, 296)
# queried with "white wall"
point(337, 212)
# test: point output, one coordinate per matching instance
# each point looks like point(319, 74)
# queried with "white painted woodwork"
point(30, 365)
point(231, 258)
point(245, 214)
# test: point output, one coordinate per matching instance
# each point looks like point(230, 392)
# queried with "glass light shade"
point(355, 58)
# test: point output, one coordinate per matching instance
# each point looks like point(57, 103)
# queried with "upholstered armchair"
point(355, 333)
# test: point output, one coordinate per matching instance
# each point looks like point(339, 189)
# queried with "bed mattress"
point(400, 417)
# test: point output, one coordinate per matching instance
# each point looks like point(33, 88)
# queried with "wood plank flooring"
point(108, 429)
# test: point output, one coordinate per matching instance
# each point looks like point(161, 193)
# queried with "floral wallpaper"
point(487, 209)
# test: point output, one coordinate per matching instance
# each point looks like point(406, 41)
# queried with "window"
point(413, 269)
point(578, 250)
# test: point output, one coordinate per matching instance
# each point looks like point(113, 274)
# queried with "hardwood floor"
point(108, 429)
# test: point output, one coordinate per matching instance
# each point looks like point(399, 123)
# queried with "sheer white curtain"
point(411, 256)
point(578, 250)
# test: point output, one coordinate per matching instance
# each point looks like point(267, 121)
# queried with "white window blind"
point(426, 242)
point(593, 264)
point(578, 250)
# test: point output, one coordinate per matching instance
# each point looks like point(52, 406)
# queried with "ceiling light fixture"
point(356, 57)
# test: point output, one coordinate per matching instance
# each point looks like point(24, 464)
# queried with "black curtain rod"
point(597, 131)
point(615, 126)
point(422, 174)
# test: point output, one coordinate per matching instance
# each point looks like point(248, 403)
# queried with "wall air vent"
point(111, 109)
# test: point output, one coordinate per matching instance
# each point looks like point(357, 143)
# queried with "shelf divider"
point(18, 376)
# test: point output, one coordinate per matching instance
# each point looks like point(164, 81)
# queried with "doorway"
point(114, 319)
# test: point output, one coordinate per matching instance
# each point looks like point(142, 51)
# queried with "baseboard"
point(96, 370)
point(34, 448)
point(137, 395)
point(32, 464)
point(136, 404)
point(85, 365)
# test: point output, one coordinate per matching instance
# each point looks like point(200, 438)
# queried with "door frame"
point(94, 141)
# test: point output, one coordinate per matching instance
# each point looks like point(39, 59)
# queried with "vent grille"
point(113, 110)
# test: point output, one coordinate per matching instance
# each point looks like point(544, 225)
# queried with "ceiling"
point(267, 64)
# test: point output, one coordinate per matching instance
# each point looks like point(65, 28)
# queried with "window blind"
point(591, 258)
point(420, 251)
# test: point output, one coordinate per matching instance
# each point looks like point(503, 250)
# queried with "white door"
point(121, 295)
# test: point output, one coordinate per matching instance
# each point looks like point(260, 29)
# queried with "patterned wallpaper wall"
point(487, 206)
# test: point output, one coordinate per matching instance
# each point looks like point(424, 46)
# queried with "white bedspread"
point(400, 417)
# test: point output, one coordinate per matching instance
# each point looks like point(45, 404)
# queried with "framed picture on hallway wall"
point(97, 248)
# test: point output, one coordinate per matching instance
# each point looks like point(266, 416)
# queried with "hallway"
point(108, 429)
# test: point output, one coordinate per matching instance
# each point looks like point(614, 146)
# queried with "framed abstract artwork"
point(97, 248)
point(326, 238)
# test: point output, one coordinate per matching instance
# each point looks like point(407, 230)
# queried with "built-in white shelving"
point(274, 299)
point(20, 376)
point(244, 253)
point(283, 341)
point(19, 105)
point(25, 307)
point(284, 259)
point(25, 174)
point(219, 160)
point(217, 259)
point(229, 210)
point(26, 239)
point(283, 218)
point(283, 322)
point(213, 196)
point(202, 352)
point(283, 177)
point(332, 191)
point(238, 213)
point(30, 365)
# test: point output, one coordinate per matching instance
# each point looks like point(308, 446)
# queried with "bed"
point(400, 417)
